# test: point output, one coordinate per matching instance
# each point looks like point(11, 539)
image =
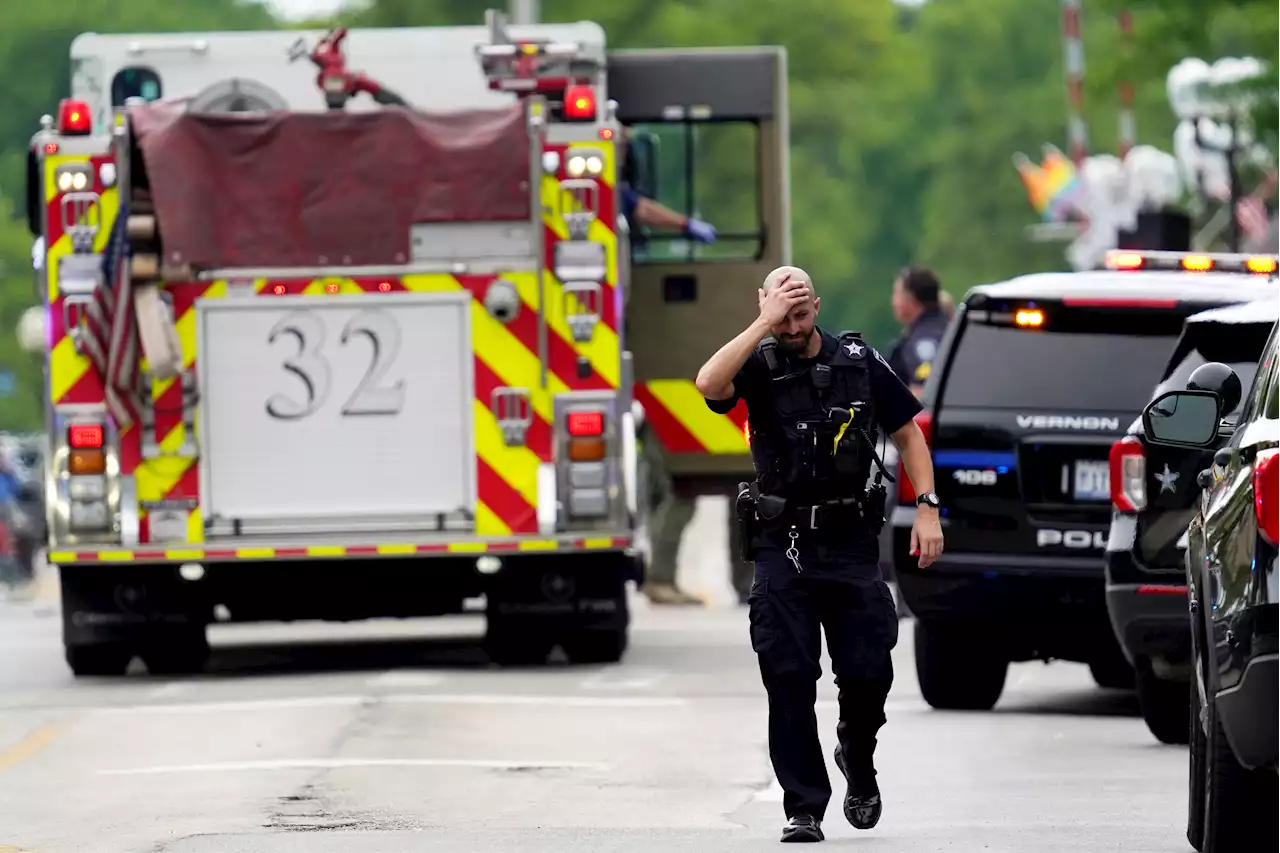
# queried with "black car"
point(1231, 575)
point(1034, 381)
point(1153, 496)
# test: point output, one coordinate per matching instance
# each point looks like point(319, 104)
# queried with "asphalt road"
point(397, 738)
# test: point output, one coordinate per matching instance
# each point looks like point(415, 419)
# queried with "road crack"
point(308, 809)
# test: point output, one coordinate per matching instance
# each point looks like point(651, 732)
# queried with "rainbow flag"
point(1053, 185)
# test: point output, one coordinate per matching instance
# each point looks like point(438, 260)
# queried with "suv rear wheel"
point(1164, 706)
point(959, 668)
point(1239, 814)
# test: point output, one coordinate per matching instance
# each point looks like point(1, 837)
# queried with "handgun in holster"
point(744, 507)
point(755, 512)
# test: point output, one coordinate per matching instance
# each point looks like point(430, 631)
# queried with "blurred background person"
point(916, 305)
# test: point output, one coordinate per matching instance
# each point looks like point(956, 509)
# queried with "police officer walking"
point(817, 404)
point(918, 307)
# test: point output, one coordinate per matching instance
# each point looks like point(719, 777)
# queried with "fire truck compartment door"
point(336, 413)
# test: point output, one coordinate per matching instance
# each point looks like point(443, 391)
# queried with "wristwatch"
point(928, 499)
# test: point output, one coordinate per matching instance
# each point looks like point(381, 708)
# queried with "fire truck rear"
point(339, 365)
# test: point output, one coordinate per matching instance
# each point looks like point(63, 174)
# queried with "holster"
point(745, 508)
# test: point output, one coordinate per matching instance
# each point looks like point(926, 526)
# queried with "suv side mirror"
point(1183, 419)
point(1219, 379)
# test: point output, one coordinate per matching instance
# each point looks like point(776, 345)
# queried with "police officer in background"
point(917, 306)
point(817, 404)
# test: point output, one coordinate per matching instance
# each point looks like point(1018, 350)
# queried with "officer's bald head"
point(782, 274)
point(797, 332)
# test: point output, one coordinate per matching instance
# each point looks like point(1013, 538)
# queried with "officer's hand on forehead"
point(784, 289)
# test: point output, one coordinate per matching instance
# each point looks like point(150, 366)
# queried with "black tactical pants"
point(788, 608)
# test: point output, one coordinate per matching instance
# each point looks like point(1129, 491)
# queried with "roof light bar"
point(1193, 262)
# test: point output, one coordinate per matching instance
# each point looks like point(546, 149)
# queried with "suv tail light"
point(906, 491)
point(1266, 485)
point(1128, 475)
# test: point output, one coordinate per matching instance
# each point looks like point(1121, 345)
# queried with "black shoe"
point(803, 827)
point(862, 799)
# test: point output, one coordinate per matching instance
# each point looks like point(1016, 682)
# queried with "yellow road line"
point(28, 746)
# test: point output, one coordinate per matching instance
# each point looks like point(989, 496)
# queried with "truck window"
point(135, 82)
point(710, 171)
point(1071, 366)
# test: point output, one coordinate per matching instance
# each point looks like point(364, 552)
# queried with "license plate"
point(168, 525)
point(1092, 481)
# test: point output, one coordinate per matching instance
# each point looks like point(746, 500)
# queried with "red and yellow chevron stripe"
point(499, 546)
point(604, 342)
point(683, 423)
point(71, 378)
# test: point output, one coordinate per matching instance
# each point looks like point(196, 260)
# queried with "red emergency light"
point(74, 118)
point(85, 436)
point(583, 424)
point(579, 103)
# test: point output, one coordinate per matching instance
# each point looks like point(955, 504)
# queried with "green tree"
point(35, 41)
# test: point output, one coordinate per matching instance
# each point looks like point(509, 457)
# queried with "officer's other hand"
point(777, 303)
point(926, 537)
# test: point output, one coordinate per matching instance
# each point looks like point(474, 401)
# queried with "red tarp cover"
point(334, 188)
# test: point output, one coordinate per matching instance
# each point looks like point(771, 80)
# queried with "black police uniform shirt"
point(892, 401)
point(912, 355)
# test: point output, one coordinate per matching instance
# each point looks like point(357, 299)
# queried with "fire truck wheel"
point(182, 653)
point(596, 645)
point(99, 659)
point(510, 645)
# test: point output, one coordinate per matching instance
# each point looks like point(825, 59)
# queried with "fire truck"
point(323, 350)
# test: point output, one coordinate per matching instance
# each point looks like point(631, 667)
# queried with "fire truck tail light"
point(86, 462)
point(579, 103)
point(585, 424)
point(1266, 494)
point(85, 436)
point(74, 118)
point(586, 449)
point(1128, 475)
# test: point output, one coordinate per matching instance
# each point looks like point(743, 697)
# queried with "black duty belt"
point(828, 514)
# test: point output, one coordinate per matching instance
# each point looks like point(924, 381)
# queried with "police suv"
point(1034, 381)
point(1154, 492)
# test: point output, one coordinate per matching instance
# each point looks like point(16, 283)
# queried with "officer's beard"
point(795, 345)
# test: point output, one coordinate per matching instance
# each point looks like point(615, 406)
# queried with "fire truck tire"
point(514, 645)
point(100, 659)
point(596, 645)
point(180, 653)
